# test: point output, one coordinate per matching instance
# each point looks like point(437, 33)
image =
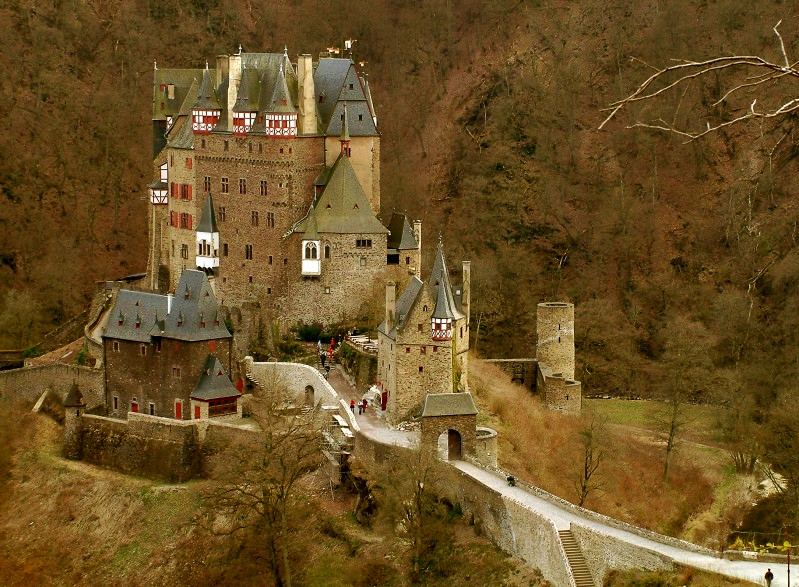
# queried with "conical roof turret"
point(439, 282)
point(206, 96)
point(208, 218)
point(247, 97)
point(281, 99)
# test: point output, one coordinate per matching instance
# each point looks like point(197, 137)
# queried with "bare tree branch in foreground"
point(749, 72)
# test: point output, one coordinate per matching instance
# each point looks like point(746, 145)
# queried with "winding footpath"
point(562, 517)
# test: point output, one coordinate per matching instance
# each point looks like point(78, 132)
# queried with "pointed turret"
point(207, 110)
point(208, 238)
point(345, 135)
point(445, 311)
point(245, 110)
point(281, 116)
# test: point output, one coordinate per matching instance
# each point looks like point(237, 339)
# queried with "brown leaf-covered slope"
point(489, 113)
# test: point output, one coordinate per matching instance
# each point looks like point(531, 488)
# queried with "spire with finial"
point(345, 134)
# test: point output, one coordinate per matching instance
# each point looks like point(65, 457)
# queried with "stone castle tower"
point(268, 180)
point(73, 410)
point(424, 340)
point(555, 353)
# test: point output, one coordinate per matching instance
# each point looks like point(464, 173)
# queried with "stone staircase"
point(582, 576)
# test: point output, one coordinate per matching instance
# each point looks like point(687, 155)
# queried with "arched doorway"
point(449, 446)
point(309, 400)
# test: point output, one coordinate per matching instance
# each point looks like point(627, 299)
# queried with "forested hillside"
point(489, 114)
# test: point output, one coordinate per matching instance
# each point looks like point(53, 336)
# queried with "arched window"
point(327, 251)
point(310, 251)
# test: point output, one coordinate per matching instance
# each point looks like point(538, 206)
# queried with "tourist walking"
point(363, 406)
point(769, 577)
point(352, 406)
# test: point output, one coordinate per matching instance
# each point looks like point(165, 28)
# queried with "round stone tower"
point(555, 330)
point(73, 410)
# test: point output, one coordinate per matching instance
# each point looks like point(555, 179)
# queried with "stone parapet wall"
point(522, 371)
point(28, 383)
point(298, 376)
point(602, 519)
point(143, 445)
point(604, 553)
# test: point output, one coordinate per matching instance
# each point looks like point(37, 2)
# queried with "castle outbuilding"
point(165, 353)
point(269, 182)
point(424, 340)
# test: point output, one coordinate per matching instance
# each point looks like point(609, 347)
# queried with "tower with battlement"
point(555, 353)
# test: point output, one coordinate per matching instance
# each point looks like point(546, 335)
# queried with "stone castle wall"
point(28, 383)
point(142, 445)
point(360, 365)
point(350, 282)
point(181, 170)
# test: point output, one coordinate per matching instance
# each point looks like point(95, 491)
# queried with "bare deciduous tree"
point(592, 457)
point(741, 74)
point(259, 475)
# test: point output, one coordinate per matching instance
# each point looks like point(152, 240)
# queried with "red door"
point(134, 406)
point(196, 412)
point(179, 410)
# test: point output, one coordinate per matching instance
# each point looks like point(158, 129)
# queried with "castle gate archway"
point(450, 415)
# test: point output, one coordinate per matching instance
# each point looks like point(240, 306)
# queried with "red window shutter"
point(189, 191)
point(190, 219)
point(172, 191)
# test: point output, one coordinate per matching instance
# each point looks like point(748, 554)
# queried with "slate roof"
point(449, 404)
point(195, 313)
point(132, 307)
point(214, 382)
point(440, 291)
point(261, 82)
point(343, 207)
point(247, 99)
point(208, 218)
point(401, 237)
point(403, 306)
point(281, 99)
point(182, 79)
point(206, 96)
point(181, 136)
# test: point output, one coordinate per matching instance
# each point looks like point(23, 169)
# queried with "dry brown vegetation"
point(544, 448)
point(68, 523)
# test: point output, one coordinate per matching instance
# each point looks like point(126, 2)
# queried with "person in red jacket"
point(352, 406)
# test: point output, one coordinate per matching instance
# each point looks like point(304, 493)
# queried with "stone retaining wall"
point(142, 445)
point(512, 527)
point(28, 383)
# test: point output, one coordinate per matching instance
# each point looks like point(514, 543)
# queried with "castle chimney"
point(466, 295)
point(168, 303)
point(391, 304)
point(221, 69)
point(306, 94)
point(233, 72)
point(417, 232)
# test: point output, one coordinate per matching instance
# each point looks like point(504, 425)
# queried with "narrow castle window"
point(189, 163)
point(242, 186)
point(310, 250)
point(363, 261)
point(222, 214)
point(270, 219)
point(143, 350)
point(151, 409)
point(250, 278)
point(270, 259)
point(264, 187)
point(407, 349)
point(260, 147)
point(224, 249)
point(184, 251)
point(227, 145)
point(254, 217)
point(207, 183)
point(421, 327)
point(157, 345)
point(116, 403)
point(269, 291)
point(176, 372)
point(327, 251)
point(360, 117)
point(248, 252)
point(115, 346)
point(421, 369)
point(224, 185)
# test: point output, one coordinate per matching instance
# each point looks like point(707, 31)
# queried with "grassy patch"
point(684, 577)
